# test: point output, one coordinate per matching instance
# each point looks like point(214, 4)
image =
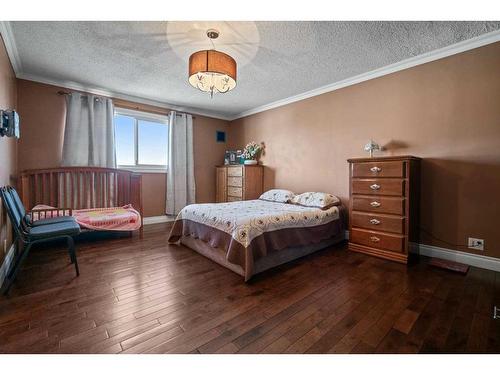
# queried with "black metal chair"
point(29, 232)
point(18, 204)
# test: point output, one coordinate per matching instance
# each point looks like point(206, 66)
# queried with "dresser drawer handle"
point(374, 187)
point(375, 221)
point(375, 169)
point(375, 204)
point(374, 239)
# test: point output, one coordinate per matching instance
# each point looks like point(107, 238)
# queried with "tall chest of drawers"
point(384, 205)
point(239, 182)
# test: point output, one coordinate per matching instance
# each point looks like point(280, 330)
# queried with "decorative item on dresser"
point(251, 153)
point(232, 158)
point(239, 182)
point(384, 205)
point(372, 146)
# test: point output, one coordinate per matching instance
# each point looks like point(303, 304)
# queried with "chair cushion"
point(40, 232)
point(52, 220)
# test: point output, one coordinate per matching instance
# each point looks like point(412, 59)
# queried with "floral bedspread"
point(247, 220)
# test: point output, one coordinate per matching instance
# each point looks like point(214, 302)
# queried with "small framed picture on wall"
point(220, 136)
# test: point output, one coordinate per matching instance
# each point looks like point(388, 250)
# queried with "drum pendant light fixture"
point(212, 71)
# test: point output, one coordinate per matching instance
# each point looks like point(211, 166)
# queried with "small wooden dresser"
point(239, 182)
point(384, 205)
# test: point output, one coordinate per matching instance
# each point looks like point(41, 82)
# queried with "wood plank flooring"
point(144, 296)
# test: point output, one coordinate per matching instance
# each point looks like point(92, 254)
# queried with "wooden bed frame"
point(81, 187)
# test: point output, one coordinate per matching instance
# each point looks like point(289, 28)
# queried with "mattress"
point(243, 233)
point(124, 218)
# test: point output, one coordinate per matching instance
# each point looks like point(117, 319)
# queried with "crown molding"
point(10, 46)
point(453, 49)
point(113, 94)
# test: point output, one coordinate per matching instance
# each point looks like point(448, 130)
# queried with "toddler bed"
point(122, 219)
point(104, 199)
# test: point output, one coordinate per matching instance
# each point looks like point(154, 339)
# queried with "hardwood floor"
point(143, 296)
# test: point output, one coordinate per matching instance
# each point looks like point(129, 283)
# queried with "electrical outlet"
point(476, 243)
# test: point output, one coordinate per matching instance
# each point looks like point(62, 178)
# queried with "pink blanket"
point(124, 218)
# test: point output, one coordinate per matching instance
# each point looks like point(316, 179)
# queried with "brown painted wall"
point(8, 100)
point(154, 187)
point(446, 111)
point(43, 114)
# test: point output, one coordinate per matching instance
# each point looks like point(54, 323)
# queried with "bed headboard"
point(81, 187)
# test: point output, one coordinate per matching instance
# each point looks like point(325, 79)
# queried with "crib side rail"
point(81, 187)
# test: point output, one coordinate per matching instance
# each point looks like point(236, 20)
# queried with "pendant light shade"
point(212, 71)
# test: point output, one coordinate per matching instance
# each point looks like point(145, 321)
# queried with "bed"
point(104, 199)
point(249, 237)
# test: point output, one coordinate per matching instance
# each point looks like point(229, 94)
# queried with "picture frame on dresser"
point(232, 157)
point(384, 195)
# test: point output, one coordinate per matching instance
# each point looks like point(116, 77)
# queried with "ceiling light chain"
point(211, 39)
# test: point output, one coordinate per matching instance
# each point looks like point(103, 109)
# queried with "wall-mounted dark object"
point(9, 123)
point(220, 136)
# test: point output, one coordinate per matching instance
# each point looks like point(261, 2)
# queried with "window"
point(141, 140)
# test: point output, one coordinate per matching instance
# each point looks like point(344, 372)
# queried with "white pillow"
point(277, 195)
point(316, 199)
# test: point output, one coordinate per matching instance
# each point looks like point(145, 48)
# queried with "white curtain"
point(180, 174)
point(89, 136)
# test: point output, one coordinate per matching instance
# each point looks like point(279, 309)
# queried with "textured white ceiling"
point(276, 59)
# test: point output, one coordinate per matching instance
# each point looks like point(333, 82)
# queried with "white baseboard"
point(158, 219)
point(475, 260)
point(7, 262)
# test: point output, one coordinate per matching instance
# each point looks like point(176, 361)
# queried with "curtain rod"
point(60, 92)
